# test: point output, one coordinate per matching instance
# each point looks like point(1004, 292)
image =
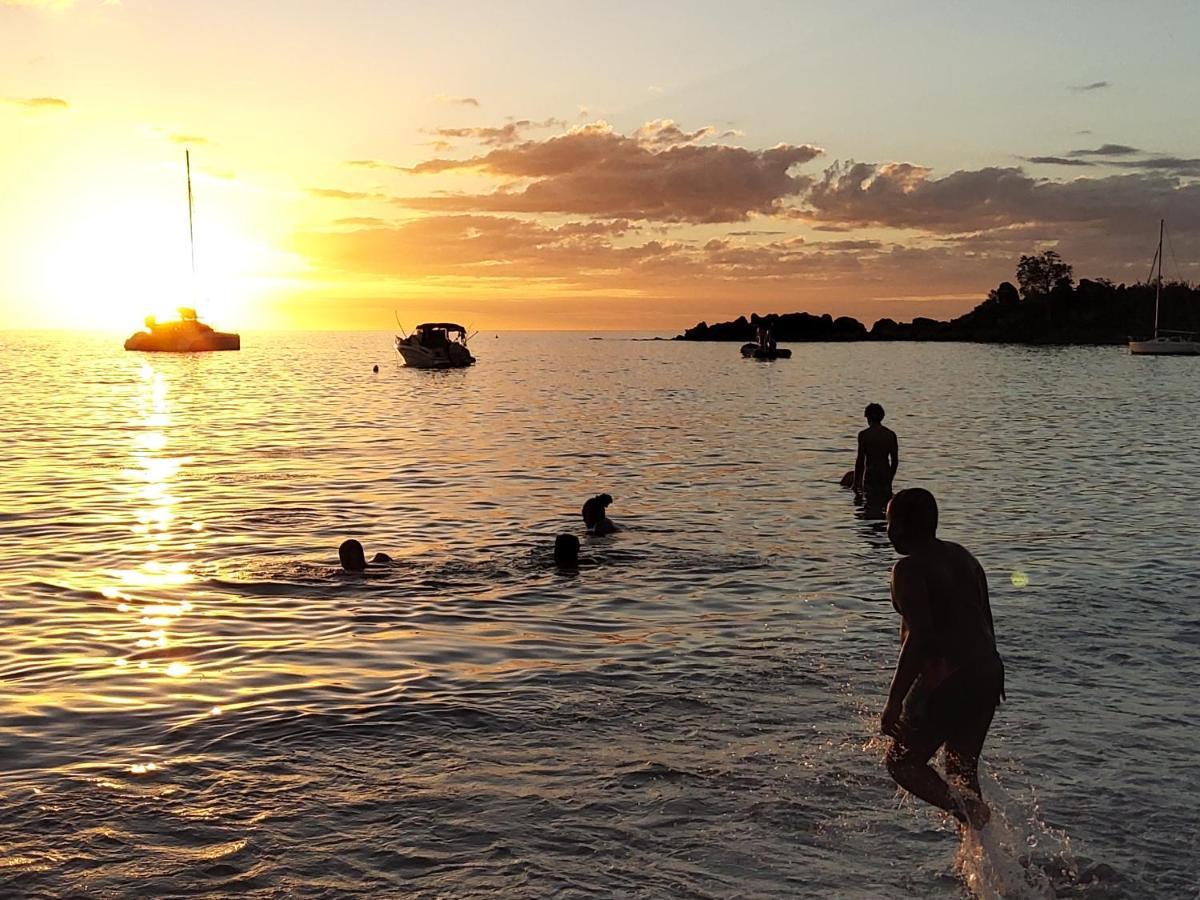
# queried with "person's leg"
point(963, 748)
point(936, 721)
point(965, 737)
point(908, 764)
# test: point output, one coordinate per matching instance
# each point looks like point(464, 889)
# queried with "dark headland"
point(1047, 308)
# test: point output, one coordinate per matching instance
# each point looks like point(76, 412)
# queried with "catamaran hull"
point(205, 343)
point(1164, 348)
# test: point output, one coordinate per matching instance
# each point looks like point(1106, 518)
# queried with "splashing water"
point(1016, 855)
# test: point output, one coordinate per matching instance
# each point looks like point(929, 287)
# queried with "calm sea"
point(195, 700)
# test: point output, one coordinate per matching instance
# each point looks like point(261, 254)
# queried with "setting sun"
point(121, 258)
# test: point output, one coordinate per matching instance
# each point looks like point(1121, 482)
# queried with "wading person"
point(877, 461)
point(949, 677)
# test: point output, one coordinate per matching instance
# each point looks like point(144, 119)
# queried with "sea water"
point(195, 700)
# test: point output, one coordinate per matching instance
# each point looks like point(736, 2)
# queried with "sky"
point(554, 165)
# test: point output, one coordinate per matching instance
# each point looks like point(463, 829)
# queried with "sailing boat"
point(1164, 343)
point(187, 334)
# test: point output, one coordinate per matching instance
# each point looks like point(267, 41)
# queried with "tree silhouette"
point(1039, 275)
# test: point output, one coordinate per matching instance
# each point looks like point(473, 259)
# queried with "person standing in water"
point(949, 677)
point(877, 461)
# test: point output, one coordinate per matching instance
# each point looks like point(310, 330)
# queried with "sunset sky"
point(582, 165)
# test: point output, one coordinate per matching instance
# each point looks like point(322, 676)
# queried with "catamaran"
point(187, 334)
point(1164, 342)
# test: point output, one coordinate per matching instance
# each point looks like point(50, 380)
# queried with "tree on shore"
point(1039, 275)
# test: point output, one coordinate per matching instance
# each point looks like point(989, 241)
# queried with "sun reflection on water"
point(154, 474)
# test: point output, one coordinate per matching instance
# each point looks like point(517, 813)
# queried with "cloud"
point(1093, 86)
point(498, 136)
point(1107, 150)
point(336, 194)
point(456, 101)
point(367, 221)
point(1057, 161)
point(902, 195)
point(666, 133)
point(194, 140)
point(39, 103)
point(475, 246)
point(507, 252)
point(373, 164)
point(1175, 165)
point(655, 174)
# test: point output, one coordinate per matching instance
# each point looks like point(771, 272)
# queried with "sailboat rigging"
point(1164, 342)
point(187, 334)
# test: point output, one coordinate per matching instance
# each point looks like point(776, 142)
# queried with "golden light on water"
point(1019, 579)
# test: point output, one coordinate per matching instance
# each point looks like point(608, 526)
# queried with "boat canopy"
point(448, 326)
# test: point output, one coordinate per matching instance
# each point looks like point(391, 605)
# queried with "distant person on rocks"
point(595, 516)
point(566, 551)
point(878, 459)
point(354, 558)
point(949, 677)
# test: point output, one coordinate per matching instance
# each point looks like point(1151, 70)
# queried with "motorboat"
point(187, 334)
point(435, 345)
point(1164, 343)
point(755, 351)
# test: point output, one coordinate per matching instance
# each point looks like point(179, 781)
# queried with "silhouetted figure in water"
point(949, 677)
point(595, 516)
point(354, 559)
point(566, 551)
point(877, 461)
point(848, 479)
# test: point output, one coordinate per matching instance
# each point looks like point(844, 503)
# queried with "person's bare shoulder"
point(959, 551)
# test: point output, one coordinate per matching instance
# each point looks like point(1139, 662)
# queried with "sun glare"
point(119, 261)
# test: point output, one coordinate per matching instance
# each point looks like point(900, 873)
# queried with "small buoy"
point(375, 369)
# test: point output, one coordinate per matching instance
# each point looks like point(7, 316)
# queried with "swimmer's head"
point(593, 510)
point(352, 556)
point(566, 551)
point(874, 413)
point(912, 516)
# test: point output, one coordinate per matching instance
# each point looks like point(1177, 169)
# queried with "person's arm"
point(860, 464)
point(911, 599)
point(987, 604)
point(895, 454)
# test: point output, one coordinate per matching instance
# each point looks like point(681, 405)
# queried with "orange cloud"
point(336, 194)
point(658, 174)
point(498, 136)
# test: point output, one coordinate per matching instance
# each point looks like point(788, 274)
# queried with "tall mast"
point(187, 158)
point(1158, 281)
